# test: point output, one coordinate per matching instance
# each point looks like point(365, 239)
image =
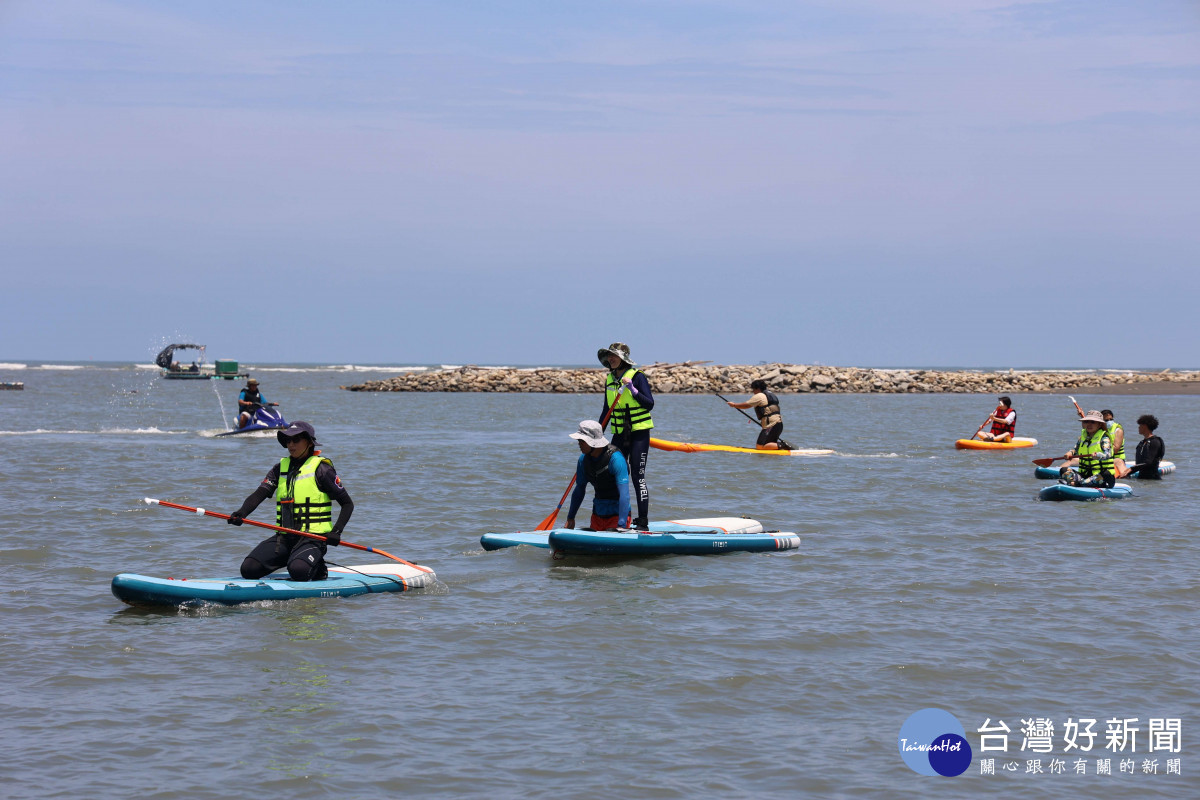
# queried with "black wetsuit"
point(303, 557)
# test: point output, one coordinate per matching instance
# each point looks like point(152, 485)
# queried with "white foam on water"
point(102, 432)
point(14, 366)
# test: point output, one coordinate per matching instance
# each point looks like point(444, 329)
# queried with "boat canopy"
point(164, 359)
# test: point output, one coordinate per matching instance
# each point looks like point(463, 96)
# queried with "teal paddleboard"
point(144, 590)
point(712, 525)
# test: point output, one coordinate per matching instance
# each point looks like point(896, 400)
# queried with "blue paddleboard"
point(641, 543)
point(1164, 468)
point(714, 525)
point(1061, 491)
point(137, 590)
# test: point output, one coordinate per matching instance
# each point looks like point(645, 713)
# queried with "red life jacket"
point(1001, 428)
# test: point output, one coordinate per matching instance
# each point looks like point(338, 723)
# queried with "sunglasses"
point(300, 437)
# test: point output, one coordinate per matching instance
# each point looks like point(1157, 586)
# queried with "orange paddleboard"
point(979, 444)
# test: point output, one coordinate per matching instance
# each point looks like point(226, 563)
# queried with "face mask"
point(1109, 424)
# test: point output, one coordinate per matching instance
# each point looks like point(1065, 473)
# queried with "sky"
point(846, 182)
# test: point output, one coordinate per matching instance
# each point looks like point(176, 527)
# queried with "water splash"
point(224, 419)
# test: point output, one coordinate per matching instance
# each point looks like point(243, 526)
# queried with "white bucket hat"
point(591, 433)
point(1093, 416)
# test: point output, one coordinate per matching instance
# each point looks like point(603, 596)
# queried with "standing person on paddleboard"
point(304, 485)
point(631, 422)
point(766, 408)
point(1090, 463)
point(1004, 423)
point(603, 466)
point(249, 399)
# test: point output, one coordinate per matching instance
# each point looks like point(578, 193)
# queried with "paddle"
point(985, 422)
point(151, 501)
point(1077, 408)
point(1045, 462)
point(548, 523)
point(782, 442)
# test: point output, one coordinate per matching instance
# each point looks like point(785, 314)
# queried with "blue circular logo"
point(933, 742)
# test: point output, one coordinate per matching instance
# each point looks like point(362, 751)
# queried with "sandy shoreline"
point(1144, 388)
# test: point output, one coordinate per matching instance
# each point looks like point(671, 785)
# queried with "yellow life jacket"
point(299, 502)
point(1090, 450)
point(628, 414)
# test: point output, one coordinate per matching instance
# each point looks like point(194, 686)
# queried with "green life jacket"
point(299, 502)
point(1112, 434)
point(628, 414)
point(1091, 453)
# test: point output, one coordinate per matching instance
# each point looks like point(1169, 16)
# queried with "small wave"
point(62, 366)
point(146, 366)
point(339, 368)
point(872, 455)
point(103, 432)
point(13, 366)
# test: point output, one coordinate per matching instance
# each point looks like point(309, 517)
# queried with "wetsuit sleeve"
point(645, 397)
point(329, 483)
point(580, 489)
point(620, 471)
point(264, 490)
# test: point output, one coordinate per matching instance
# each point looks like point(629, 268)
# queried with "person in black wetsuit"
point(766, 408)
point(631, 421)
point(1150, 449)
point(304, 485)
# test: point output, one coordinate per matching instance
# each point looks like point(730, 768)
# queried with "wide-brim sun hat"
point(591, 433)
point(1093, 416)
point(295, 429)
point(618, 349)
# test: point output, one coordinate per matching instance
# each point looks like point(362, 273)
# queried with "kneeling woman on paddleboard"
point(305, 486)
point(766, 408)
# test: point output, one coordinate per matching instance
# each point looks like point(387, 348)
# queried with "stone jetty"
point(702, 377)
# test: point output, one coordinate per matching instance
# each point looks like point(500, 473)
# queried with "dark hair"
point(1006, 400)
point(1149, 420)
point(1108, 411)
point(758, 384)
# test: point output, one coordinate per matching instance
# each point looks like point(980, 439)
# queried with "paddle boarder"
point(1117, 434)
point(1150, 450)
point(603, 466)
point(631, 421)
point(766, 408)
point(1090, 463)
point(1004, 423)
point(249, 399)
point(304, 485)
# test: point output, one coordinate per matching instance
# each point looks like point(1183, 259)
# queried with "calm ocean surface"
point(927, 577)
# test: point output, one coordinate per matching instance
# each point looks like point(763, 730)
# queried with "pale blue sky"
point(855, 182)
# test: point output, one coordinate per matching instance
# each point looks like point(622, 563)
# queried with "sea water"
point(927, 578)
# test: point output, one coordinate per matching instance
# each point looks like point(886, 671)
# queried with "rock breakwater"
point(703, 377)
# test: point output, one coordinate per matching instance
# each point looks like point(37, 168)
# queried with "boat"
point(1061, 491)
point(1164, 468)
point(979, 444)
point(144, 590)
point(15, 385)
point(670, 536)
point(225, 368)
point(688, 447)
point(265, 418)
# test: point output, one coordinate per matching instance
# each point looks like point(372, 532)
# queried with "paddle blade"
point(548, 523)
point(1044, 462)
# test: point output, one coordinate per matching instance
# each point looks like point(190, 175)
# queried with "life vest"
point(252, 396)
point(628, 414)
point(600, 475)
point(1090, 450)
point(1112, 434)
point(771, 409)
point(299, 502)
point(1001, 428)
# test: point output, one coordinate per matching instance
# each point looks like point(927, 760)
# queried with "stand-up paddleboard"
point(642, 543)
point(687, 447)
point(1164, 468)
point(1061, 491)
point(139, 590)
point(711, 526)
point(979, 444)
